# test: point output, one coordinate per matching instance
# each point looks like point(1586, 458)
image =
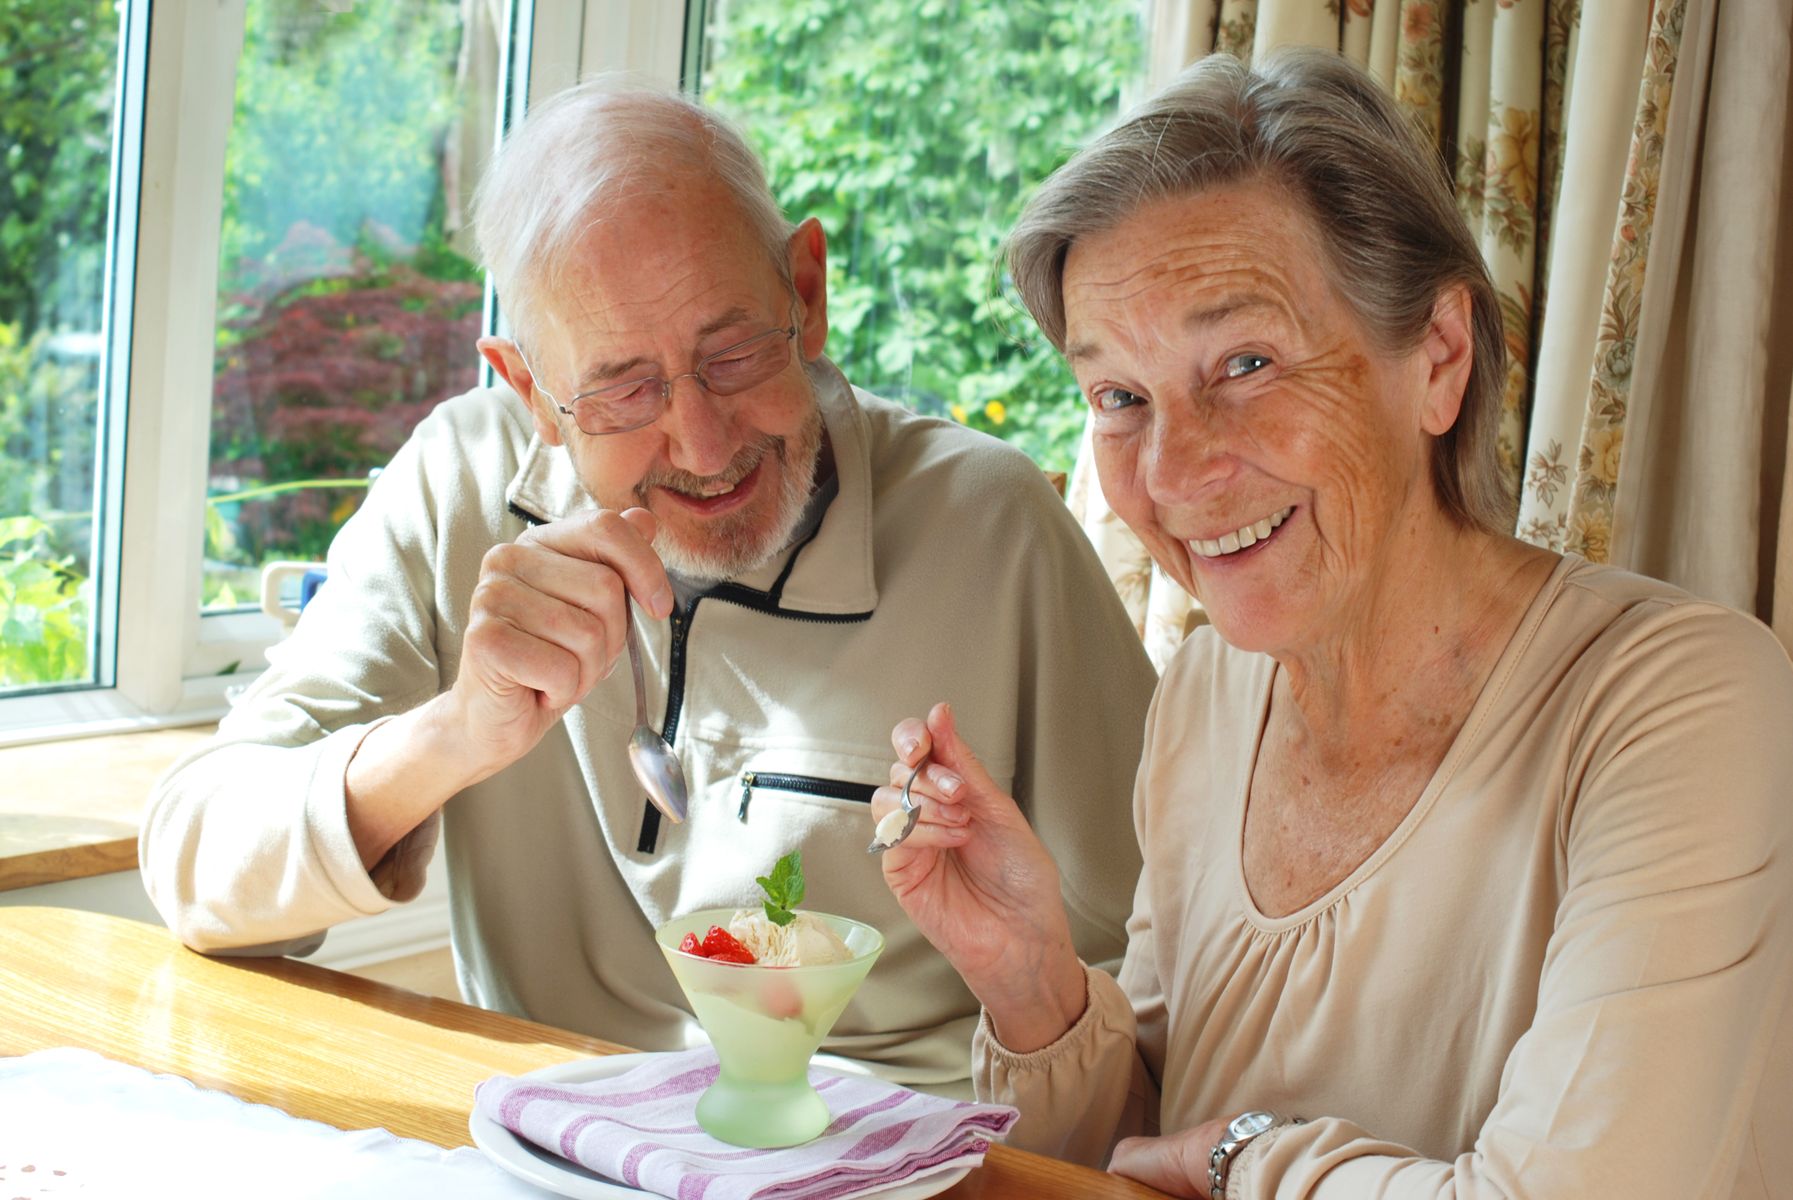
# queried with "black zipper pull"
point(747, 779)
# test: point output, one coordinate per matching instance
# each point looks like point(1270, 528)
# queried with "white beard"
point(732, 546)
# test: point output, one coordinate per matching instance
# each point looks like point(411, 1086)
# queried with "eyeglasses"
point(622, 407)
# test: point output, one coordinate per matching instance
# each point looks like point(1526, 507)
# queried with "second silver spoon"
point(909, 812)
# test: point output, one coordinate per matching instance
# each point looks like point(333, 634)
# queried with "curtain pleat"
point(1701, 496)
point(1781, 605)
point(1602, 439)
point(1601, 94)
point(1500, 119)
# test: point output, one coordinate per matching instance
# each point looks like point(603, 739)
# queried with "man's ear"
point(809, 275)
point(508, 362)
point(1450, 350)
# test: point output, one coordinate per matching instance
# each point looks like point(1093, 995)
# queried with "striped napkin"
point(641, 1128)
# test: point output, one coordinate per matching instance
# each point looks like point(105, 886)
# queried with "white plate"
point(527, 1161)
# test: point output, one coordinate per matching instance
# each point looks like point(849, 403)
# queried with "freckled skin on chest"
point(1307, 830)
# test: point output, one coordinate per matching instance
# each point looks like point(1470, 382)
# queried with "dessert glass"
point(765, 1023)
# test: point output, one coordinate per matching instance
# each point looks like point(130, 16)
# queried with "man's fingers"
point(643, 522)
point(517, 623)
point(621, 541)
point(576, 582)
point(515, 658)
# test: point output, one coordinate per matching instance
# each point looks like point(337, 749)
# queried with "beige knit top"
point(1565, 974)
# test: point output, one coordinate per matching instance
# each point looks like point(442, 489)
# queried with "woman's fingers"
point(954, 757)
point(1176, 1164)
point(936, 809)
point(934, 779)
point(911, 741)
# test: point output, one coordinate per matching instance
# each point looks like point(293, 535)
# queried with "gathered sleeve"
point(1670, 965)
point(1085, 1091)
point(1100, 1081)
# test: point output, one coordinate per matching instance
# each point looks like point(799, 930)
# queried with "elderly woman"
point(1468, 866)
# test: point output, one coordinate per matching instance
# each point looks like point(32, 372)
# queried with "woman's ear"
point(508, 362)
point(1449, 347)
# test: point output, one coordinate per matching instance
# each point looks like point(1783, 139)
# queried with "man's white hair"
point(594, 145)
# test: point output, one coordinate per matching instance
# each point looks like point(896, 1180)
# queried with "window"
point(232, 276)
point(58, 77)
point(233, 270)
point(914, 131)
point(348, 299)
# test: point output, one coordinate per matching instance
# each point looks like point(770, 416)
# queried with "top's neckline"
point(1485, 702)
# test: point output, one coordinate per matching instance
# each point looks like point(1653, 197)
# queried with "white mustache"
point(740, 468)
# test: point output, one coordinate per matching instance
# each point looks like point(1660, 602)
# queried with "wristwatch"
point(1241, 1131)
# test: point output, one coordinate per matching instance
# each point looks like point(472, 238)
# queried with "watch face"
point(1250, 1124)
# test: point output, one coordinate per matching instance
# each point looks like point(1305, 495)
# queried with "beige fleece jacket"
point(945, 568)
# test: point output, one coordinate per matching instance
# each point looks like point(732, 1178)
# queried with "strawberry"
point(690, 945)
point(780, 999)
point(719, 945)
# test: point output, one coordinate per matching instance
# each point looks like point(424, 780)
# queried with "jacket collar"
point(830, 576)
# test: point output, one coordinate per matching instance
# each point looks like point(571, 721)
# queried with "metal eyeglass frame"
point(789, 333)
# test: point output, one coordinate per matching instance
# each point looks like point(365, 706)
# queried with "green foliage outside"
point(56, 98)
point(336, 139)
point(44, 605)
point(914, 131)
point(344, 312)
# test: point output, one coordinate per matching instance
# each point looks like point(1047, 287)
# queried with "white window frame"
point(161, 665)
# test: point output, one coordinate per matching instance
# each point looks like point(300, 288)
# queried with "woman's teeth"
point(1239, 539)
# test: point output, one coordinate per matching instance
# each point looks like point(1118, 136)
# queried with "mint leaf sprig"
point(783, 888)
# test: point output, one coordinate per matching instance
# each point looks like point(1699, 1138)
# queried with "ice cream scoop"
point(806, 942)
point(898, 823)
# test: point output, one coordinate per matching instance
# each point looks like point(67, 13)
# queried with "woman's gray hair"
point(1313, 124)
point(599, 143)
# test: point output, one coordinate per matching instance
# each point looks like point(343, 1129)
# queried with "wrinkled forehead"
point(665, 262)
point(1231, 249)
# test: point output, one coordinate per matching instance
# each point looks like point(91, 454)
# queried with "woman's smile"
point(1236, 542)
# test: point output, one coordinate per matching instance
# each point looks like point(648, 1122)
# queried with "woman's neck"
point(1403, 660)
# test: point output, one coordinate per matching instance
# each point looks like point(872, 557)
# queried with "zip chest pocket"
point(806, 785)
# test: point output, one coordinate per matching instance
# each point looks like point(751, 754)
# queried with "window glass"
point(914, 131)
point(348, 302)
point(57, 83)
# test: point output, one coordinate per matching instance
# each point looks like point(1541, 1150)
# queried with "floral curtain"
point(1559, 120)
point(1701, 496)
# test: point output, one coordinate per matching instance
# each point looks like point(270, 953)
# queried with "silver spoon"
point(910, 811)
point(656, 766)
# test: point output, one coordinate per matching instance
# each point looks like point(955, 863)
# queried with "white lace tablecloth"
point(75, 1124)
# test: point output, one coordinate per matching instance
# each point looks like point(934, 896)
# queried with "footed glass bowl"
point(765, 1023)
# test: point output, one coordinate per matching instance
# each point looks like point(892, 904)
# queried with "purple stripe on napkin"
point(847, 1120)
point(640, 1127)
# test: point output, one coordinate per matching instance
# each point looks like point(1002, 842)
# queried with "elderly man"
point(808, 563)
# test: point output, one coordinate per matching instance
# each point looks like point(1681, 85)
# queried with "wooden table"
point(320, 1044)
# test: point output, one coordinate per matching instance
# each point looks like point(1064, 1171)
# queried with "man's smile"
point(714, 497)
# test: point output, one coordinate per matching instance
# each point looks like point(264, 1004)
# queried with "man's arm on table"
point(317, 802)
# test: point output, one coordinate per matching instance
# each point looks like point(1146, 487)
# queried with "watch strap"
point(1230, 1146)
